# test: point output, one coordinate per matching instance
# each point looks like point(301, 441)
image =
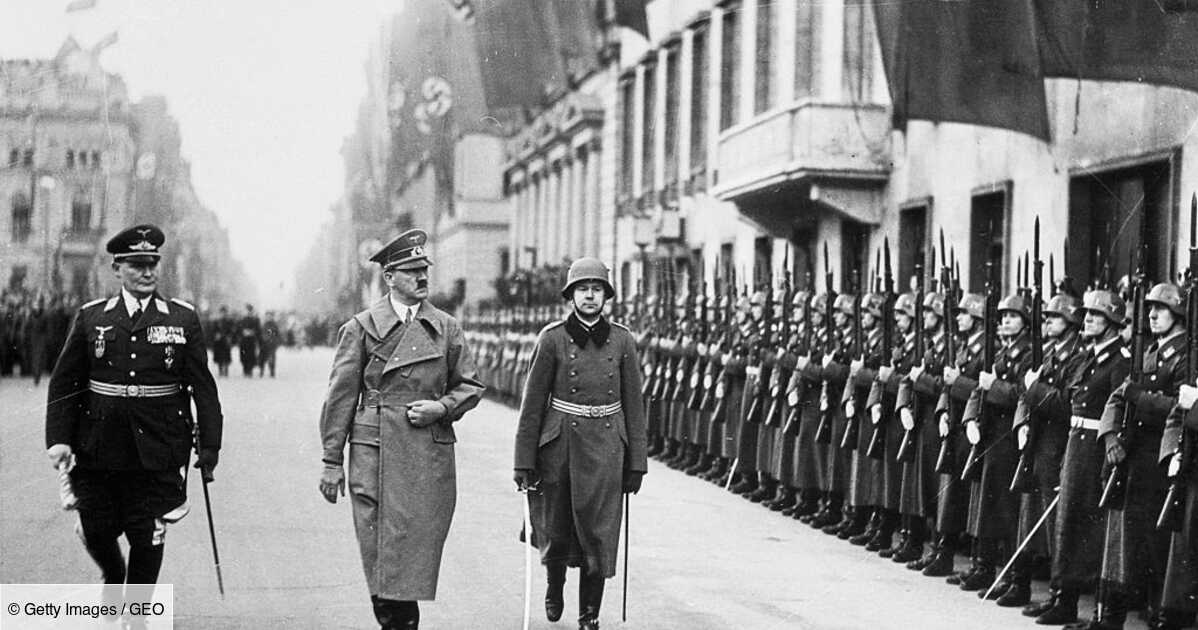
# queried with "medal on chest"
point(100, 344)
point(168, 356)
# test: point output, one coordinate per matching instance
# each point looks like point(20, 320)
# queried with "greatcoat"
point(401, 476)
point(581, 460)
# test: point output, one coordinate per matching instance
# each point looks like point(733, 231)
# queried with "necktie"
point(137, 312)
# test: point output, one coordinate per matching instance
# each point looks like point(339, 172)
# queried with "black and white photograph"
point(644, 314)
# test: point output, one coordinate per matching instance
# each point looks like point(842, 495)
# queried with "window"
point(729, 77)
point(987, 239)
point(627, 136)
point(28, 161)
point(81, 281)
point(672, 96)
point(858, 51)
point(807, 41)
point(854, 255)
point(700, 63)
point(913, 242)
point(763, 251)
point(648, 107)
point(22, 217)
point(1111, 213)
point(505, 261)
point(16, 280)
point(14, 158)
point(83, 159)
point(763, 92)
point(81, 213)
point(95, 159)
point(727, 271)
point(70, 158)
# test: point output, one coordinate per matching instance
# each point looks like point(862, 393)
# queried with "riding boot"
point(718, 471)
point(808, 504)
point(871, 529)
point(1063, 611)
point(912, 549)
point(590, 597)
point(702, 464)
point(1019, 593)
point(786, 499)
point(831, 512)
point(765, 489)
point(885, 534)
point(846, 519)
point(857, 526)
point(553, 593)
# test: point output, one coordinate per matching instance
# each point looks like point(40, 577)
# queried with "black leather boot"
point(912, 549)
point(896, 544)
point(784, 499)
point(747, 483)
point(590, 597)
point(857, 526)
point(885, 534)
point(656, 446)
point(831, 512)
point(1110, 613)
point(765, 489)
point(701, 464)
point(1063, 611)
point(980, 579)
point(927, 558)
point(553, 592)
point(1170, 619)
point(808, 504)
point(846, 520)
point(1019, 593)
point(1035, 609)
point(717, 472)
point(871, 530)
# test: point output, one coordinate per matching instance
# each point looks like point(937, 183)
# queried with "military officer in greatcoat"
point(1078, 519)
point(119, 413)
point(402, 375)
point(581, 440)
point(1135, 552)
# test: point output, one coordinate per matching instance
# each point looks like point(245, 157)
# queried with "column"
point(714, 44)
point(686, 59)
point(748, 59)
point(831, 53)
point(784, 70)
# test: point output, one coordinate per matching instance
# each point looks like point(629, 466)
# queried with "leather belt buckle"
point(373, 398)
point(132, 391)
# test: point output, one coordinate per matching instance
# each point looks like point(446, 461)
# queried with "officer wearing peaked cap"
point(402, 375)
point(581, 440)
point(119, 411)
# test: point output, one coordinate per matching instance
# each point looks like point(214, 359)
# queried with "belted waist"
point(586, 411)
point(133, 391)
point(1078, 422)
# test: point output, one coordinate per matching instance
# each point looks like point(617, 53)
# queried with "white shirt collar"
point(406, 313)
point(1099, 348)
point(132, 303)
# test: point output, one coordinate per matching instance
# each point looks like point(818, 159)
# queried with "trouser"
point(395, 614)
point(112, 503)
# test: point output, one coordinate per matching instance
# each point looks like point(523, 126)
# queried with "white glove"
point(1174, 465)
point(950, 375)
point(944, 425)
point(1021, 436)
point(1030, 377)
point(985, 380)
point(60, 454)
point(907, 418)
point(702, 348)
point(827, 360)
point(973, 432)
point(802, 362)
point(850, 409)
point(885, 372)
point(915, 373)
point(1187, 396)
point(875, 414)
point(856, 366)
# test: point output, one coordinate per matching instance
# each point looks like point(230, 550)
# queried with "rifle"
point(973, 462)
point(733, 347)
point(877, 441)
point(852, 428)
point(1024, 480)
point(823, 431)
point(781, 375)
point(702, 365)
point(1174, 507)
point(906, 452)
point(791, 426)
point(1114, 491)
point(757, 403)
point(944, 458)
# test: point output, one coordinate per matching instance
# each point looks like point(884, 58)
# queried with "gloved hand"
point(422, 413)
point(802, 362)
point(850, 408)
point(632, 481)
point(986, 379)
point(950, 375)
point(1021, 436)
point(875, 414)
point(885, 372)
point(856, 366)
point(1029, 377)
point(1174, 465)
point(943, 425)
point(915, 373)
point(973, 432)
point(1186, 397)
point(332, 482)
point(1114, 449)
point(206, 461)
point(907, 418)
point(60, 454)
point(827, 360)
point(1132, 392)
point(526, 480)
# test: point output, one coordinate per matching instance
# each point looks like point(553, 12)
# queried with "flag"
point(627, 13)
point(81, 5)
point(517, 52)
point(967, 61)
point(1149, 41)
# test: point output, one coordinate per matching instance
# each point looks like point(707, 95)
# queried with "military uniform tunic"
point(952, 505)
point(882, 397)
point(920, 483)
point(865, 485)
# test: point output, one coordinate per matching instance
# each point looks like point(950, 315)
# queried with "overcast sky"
point(264, 92)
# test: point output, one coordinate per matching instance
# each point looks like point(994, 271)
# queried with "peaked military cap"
point(140, 243)
point(405, 251)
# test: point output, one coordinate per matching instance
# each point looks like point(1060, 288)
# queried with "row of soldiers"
point(1023, 430)
point(32, 331)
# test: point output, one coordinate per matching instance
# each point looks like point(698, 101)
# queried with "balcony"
point(810, 140)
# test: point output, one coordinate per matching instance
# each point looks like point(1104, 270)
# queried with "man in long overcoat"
point(401, 377)
point(581, 440)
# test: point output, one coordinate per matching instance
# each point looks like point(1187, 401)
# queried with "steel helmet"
point(844, 303)
point(1015, 304)
point(758, 298)
point(935, 303)
point(1167, 295)
point(905, 304)
point(800, 298)
point(1066, 306)
point(1107, 304)
point(972, 303)
point(587, 269)
point(819, 302)
point(873, 303)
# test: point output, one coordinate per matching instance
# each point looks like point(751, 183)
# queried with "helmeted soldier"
point(834, 374)
point(782, 366)
point(810, 460)
point(719, 340)
point(756, 483)
point(864, 497)
point(581, 440)
point(119, 411)
point(960, 380)
point(1078, 526)
point(1131, 427)
point(730, 394)
point(784, 449)
point(916, 406)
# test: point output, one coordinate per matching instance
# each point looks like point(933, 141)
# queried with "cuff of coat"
point(450, 406)
point(332, 461)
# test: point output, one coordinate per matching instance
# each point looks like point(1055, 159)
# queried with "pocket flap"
point(550, 431)
point(443, 433)
point(364, 434)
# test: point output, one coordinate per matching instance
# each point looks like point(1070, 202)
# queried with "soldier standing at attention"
point(139, 361)
point(581, 440)
point(401, 377)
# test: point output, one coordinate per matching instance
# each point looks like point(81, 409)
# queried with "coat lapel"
point(152, 316)
point(383, 318)
point(416, 343)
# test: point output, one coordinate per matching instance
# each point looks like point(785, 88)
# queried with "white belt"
point(133, 391)
point(586, 411)
point(1078, 422)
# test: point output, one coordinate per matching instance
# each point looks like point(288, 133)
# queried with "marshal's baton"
point(527, 560)
point(1019, 550)
point(627, 517)
point(220, 582)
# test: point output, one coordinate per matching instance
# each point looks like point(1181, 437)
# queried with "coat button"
point(132, 373)
point(133, 338)
point(573, 372)
point(133, 356)
point(607, 424)
point(573, 390)
point(574, 423)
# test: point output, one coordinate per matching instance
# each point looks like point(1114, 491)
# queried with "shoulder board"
point(551, 326)
point(1016, 351)
point(93, 303)
point(619, 325)
point(1169, 351)
point(1126, 353)
point(183, 304)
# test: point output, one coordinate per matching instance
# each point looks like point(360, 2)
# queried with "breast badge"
point(100, 344)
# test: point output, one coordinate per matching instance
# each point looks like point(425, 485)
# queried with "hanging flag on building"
point(1146, 41)
point(105, 42)
point(80, 5)
point(969, 61)
point(627, 13)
